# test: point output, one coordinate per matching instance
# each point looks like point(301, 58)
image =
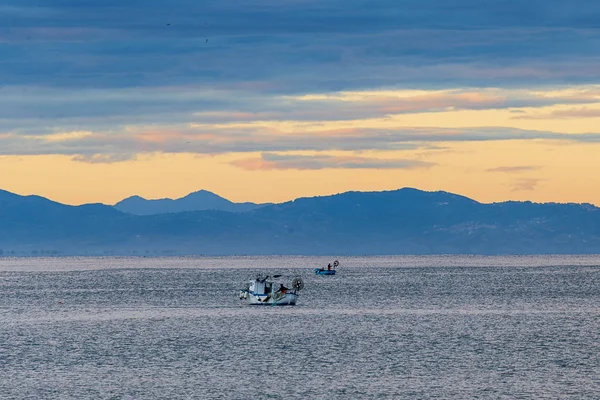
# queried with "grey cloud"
point(210, 140)
point(302, 16)
point(296, 46)
point(40, 111)
point(269, 161)
point(113, 66)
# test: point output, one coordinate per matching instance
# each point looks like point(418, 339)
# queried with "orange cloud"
point(514, 169)
point(525, 184)
point(570, 113)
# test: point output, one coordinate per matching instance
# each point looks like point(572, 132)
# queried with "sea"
point(401, 327)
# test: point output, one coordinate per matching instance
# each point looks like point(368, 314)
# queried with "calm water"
point(383, 328)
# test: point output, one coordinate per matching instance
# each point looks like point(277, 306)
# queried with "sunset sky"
point(264, 100)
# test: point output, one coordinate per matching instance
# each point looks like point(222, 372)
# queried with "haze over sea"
point(436, 327)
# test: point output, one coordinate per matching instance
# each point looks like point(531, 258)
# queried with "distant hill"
point(405, 221)
point(30, 222)
point(197, 201)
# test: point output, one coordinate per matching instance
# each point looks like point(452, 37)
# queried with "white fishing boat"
point(269, 291)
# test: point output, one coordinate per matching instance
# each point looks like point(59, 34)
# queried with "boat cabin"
point(261, 287)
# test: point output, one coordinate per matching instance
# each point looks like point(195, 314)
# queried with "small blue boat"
point(323, 271)
point(330, 270)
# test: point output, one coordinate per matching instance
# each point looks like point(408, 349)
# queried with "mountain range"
point(404, 221)
point(196, 201)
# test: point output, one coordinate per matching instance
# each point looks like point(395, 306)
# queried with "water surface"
point(441, 327)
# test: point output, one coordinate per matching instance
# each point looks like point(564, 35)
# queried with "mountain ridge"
point(403, 221)
point(196, 201)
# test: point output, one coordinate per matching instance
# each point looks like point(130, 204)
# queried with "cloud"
point(514, 169)
point(48, 110)
point(271, 161)
point(103, 158)
point(525, 184)
point(298, 46)
point(265, 137)
point(63, 136)
point(562, 114)
point(140, 77)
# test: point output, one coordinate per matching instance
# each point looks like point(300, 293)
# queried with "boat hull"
point(287, 299)
point(324, 271)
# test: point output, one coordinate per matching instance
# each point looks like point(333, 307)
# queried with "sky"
point(268, 101)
